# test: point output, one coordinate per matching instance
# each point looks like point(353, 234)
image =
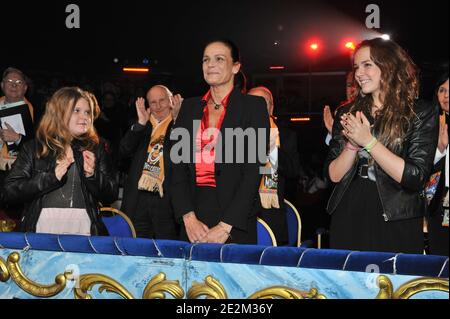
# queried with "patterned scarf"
point(153, 173)
point(268, 189)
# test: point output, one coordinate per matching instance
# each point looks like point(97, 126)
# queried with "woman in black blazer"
point(215, 186)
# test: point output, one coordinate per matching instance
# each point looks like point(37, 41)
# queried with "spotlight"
point(386, 37)
point(350, 45)
point(314, 46)
point(116, 60)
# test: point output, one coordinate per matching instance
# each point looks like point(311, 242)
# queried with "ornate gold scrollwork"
point(87, 282)
point(279, 292)
point(410, 288)
point(4, 273)
point(31, 287)
point(212, 289)
point(7, 226)
point(159, 286)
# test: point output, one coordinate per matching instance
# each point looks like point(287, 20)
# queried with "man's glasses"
point(14, 82)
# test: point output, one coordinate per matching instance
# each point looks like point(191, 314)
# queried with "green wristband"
point(371, 145)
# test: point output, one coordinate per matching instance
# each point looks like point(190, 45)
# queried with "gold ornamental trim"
point(211, 289)
point(4, 273)
point(31, 287)
point(159, 286)
point(7, 226)
point(280, 292)
point(411, 288)
point(87, 282)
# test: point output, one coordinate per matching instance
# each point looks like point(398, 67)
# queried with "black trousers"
point(12, 211)
point(154, 217)
point(209, 212)
point(438, 236)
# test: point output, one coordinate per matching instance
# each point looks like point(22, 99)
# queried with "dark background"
point(173, 34)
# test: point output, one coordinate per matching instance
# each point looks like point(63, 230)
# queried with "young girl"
point(381, 155)
point(63, 174)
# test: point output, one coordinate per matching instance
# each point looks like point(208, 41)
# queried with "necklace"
point(216, 105)
point(73, 189)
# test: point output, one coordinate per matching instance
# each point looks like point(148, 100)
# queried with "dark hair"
point(240, 82)
point(235, 54)
point(442, 78)
point(10, 70)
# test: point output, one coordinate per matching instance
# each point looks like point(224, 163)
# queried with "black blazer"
point(134, 146)
point(237, 183)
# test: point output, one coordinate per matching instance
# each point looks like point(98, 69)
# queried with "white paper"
point(16, 122)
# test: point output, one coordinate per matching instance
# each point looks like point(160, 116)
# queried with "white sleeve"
point(328, 139)
point(439, 155)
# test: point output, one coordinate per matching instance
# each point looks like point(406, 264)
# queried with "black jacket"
point(399, 200)
point(31, 178)
point(237, 182)
point(134, 146)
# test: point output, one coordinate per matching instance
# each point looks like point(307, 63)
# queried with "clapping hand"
point(356, 128)
point(142, 112)
point(62, 166)
point(89, 163)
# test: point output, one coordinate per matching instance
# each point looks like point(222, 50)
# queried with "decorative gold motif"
point(212, 289)
point(87, 282)
point(411, 288)
point(31, 287)
point(159, 286)
point(4, 273)
point(279, 292)
point(386, 288)
point(7, 226)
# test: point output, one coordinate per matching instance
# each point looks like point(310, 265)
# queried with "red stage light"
point(314, 46)
point(350, 45)
point(277, 67)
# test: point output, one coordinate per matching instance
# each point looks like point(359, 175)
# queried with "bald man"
point(147, 144)
point(283, 152)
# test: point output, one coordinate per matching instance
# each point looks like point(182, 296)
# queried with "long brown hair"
point(53, 134)
point(399, 90)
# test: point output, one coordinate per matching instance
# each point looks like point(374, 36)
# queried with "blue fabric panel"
point(429, 266)
point(402, 264)
point(263, 235)
point(117, 226)
point(242, 254)
point(152, 248)
point(323, 259)
point(292, 224)
point(371, 262)
point(202, 252)
point(281, 256)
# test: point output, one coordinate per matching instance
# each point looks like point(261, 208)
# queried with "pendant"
point(217, 106)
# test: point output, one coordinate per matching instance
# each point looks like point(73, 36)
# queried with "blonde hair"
point(53, 134)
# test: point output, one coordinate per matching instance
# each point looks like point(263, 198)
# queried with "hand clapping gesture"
point(62, 166)
point(89, 163)
point(142, 113)
point(356, 129)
